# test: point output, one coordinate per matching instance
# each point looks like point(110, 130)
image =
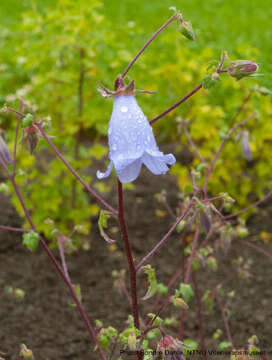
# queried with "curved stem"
point(146, 45)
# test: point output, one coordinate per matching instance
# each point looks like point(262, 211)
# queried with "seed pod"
point(242, 68)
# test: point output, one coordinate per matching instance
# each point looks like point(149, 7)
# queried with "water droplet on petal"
point(124, 109)
point(110, 130)
point(114, 147)
point(148, 138)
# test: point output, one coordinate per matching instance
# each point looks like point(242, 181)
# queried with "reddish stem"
point(16, 139)
point(257, 248)
point(9, 228)
point(256, 203)
point(59, 155)
point(147, 43)
point(132, 269)
point(177, 104)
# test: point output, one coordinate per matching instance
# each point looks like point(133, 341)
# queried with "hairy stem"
point(225, 320)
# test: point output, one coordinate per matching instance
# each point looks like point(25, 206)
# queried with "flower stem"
point(16, 139)
point(174, 17)
point(177, 104)
point(53, 260)
point(257, 248)
point(132, 269)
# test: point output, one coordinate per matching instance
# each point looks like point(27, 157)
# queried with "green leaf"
point(224, 345)
point(103, 223)
point(153, 285)
point(187, 292)
point(31, 240)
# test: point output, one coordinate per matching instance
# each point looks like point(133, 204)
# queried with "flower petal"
point(156, 162)
point(101, 175)
point(130, 172)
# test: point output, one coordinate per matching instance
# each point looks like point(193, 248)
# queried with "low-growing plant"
point(208, 218)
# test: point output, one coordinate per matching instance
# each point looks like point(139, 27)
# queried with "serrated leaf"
point(187, 292)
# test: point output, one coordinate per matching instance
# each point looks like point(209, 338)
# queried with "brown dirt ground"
point(53, 330)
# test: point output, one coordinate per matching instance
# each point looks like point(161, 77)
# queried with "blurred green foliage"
point(54, 55)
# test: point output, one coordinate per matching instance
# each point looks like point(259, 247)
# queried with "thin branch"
point(166, 236)
point(87, 187)
point(147, 43)
point(9, 228)
point(225, 320)
point(221, 146)
point(194, 147)
point(256, 203)
point(62, 256)
point(257, 248)
point(177, 104)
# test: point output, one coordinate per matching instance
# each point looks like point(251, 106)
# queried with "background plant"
point(49, 55)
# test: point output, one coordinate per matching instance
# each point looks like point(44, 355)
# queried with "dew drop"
point(124, 109)
point(110, 130)
point(114, 147)
point(148, 138)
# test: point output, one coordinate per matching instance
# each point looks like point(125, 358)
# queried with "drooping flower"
point(4, 151)
point(242, 68)
point(131, 139)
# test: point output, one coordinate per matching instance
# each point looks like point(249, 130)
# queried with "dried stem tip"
point(120, 88)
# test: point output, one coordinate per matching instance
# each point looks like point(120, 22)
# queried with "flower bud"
point(245, 144)
point(242, 68)
point(187, 30)
point(30, 134)
point(179, 302)
point(170, 348)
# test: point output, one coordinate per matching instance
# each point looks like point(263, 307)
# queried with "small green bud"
point(132, 341)
point(187, 30)
point(26, 353)
point(27, 120)
point(31, 240)
point(212, 263)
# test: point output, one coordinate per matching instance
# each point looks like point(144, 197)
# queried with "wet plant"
point(132, 144)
